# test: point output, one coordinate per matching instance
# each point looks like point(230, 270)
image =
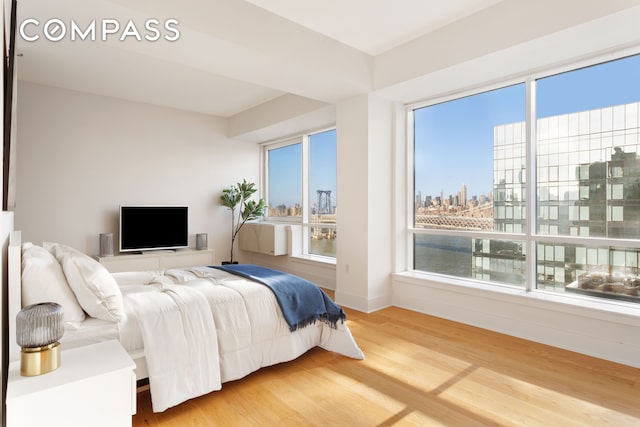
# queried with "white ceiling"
point(232, 55)
point(373, 26)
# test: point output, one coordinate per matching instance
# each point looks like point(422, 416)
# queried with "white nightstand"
point(95, 385)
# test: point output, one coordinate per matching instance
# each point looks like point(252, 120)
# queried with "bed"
point(189, 330)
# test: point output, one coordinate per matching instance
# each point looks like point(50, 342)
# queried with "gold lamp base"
point(39, 360)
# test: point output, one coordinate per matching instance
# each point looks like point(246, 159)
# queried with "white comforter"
point(178, 329)
point(201, 327)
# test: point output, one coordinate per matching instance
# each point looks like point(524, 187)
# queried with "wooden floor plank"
point(420, 370)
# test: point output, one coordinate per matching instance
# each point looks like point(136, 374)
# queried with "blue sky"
point(285, 170)
point(444, 131)
point(454, 141)
point(322, 173)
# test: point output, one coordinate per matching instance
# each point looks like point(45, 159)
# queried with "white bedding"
point(180, 342)
point(89, 331)
point(249, 328)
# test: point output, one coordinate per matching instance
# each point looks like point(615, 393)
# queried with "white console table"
point(94, 385)
point(158, 260)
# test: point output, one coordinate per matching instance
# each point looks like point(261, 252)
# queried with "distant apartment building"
point(588, 175)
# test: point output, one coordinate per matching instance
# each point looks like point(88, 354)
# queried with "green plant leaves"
point(239, 196)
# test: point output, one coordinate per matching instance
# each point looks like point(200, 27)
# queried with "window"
point(472, 218)
point(301, 188)
point(469, 175)
point(587, 127)
point(284, 178)
point(322, 194)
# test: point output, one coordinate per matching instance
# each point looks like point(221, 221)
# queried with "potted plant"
point(238, 199)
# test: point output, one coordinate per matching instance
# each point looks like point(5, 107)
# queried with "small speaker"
point(106, 244)
point(201, 241)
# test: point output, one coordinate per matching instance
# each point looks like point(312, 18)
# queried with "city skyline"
point(462, 196)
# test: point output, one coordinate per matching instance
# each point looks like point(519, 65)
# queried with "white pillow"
point(95, 288)
point(44, 281)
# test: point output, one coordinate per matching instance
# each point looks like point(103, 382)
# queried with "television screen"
point(144, 228)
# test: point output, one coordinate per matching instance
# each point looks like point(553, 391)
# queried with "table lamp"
point(39, 329)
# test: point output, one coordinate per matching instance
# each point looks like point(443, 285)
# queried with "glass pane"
point(323, 241)
point(469, 162)
point(285, 181)
point(588, 119)
point(601, 272)
point(499, 261)
point(322, 177)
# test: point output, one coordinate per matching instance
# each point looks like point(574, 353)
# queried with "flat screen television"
point(147, 228)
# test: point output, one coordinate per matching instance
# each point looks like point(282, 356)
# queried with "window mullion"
point(410, 179)
point(305, 194)
point(305, 179)
point(531, 186)
point(264, 174)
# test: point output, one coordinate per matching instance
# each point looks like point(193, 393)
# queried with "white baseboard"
point(364, 305)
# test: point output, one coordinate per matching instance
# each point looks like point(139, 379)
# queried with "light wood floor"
point(422, 371)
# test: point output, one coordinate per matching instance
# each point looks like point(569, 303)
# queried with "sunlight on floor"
point(492, 394)
point(421, 385)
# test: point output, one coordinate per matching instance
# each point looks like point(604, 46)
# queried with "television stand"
point(158, 260)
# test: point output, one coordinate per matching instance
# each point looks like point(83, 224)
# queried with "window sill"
point(313, 259)
point(615, 310)
point(290, 220)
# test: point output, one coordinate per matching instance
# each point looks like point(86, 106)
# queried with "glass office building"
point(588, 185)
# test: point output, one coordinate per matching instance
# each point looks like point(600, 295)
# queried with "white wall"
point(80, 156)
point(352, 274)
point(595, 328)
point(321, 273)
point(364, 169)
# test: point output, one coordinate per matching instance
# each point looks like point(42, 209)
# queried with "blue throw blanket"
point(302, 302)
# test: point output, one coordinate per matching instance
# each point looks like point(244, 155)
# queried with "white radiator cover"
point(264, 238)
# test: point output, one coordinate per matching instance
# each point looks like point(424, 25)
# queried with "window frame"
point(304, 220)
point(264, 163)
point(530, 236)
